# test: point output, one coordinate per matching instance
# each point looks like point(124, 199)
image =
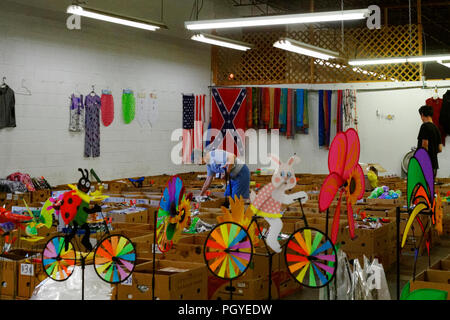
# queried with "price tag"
point(9, 196)
point(128, 282)
point(26, 269)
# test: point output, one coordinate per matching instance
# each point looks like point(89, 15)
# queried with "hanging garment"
point(272, 106)
point(325, 118)
point(283, 110)
point(333, 115)
point(276, 109)
point(107, 110)
point(349, 109)
point(260, 108)
point(305, 113)
point(339, 112)
point(321, 119)
point(437, 106)
point(188, 127)
point(141, 112)
point(266, 105)
point(7, 107)
point(92, 105)
point(300, 109)
point(255, 99)
point(444, 118)
point(228, 117)
point(289, 114)
point(328, 117)
point(293, 112)
point(152, 109)
point(128, 106)
point(76, 116)
point(249, 108)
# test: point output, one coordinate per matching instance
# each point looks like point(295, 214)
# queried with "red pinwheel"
point(346, 175)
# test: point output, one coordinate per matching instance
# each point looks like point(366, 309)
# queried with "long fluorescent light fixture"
point(114, 18)
point(306, 49)
point(411, 59)
point(279, 20)
point(223, 42)
point(444, 63)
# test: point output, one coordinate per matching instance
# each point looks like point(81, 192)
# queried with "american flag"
point(188, 127)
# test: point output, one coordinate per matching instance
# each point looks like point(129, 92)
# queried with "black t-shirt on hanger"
point(7, 107)
point(429, 131)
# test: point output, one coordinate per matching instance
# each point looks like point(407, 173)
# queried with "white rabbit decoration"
point(268, 202)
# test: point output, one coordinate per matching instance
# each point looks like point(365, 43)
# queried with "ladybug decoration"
point(75, 209)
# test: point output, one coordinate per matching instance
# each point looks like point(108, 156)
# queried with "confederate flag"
point(227, 117)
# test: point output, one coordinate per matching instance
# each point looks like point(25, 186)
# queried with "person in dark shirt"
point(429, 136)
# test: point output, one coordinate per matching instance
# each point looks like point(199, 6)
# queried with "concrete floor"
point(406, 270)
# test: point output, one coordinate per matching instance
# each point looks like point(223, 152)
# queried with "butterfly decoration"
point(346, 176)
point(421, 197)
point(173, 214)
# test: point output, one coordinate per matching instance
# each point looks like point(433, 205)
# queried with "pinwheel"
point(311, 252)
point(421, 195)
point(228, 250)
point(346, 175)
point(170, 218)
point(57, 260)
point(115, 258)
point(237, 213)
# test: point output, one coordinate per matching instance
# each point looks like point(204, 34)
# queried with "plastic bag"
point(94, 287)
point(376, 281)
point(340, 288)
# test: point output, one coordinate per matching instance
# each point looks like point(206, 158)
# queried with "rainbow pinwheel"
point(346, 175)
point(173, 213)
point(421, 194)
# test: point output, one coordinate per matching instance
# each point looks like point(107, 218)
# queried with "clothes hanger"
point(435, 93)
point(93, 91)
point(27, 93)
point(3, 85)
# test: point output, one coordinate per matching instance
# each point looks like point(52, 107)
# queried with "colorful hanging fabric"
point(305, 113)
point(328, 118)
point(293, 112)
point(188, 127)
point(436, 104)
point(349, 109)
point(272, 107)
point(128, 106)
point(276, 111)
point(265, 107)
point(283, 110)
point(255, 95)
point(300, 97)
point(229, 117)
point(339, 112)
point(289, 114)
point(260, 108)
point(321, 120)
point(198, 128)
point(92, 105)
point(107, 109)
point(333, 115)
point(76, 116)
point(249, 104)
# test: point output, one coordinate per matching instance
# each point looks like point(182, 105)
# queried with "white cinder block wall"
point(53, 62)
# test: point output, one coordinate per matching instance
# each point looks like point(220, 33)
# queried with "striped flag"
point(188, 127)
point(198, 127)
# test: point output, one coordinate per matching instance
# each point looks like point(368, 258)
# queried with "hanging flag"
point(198, 128)
point(249, 108)
point(229, 118)
point(188, 127)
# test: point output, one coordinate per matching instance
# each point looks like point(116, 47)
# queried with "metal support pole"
point(398, 251)
point(154, 256)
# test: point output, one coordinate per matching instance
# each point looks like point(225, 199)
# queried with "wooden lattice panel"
point(265, 64)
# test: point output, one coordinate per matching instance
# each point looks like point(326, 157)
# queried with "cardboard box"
point(443, 265)
point(131, 217)
point(255, 289)
point(432, 279)
point(29, 275)
point(189, 248)
point(189, 283)
point(40, 195)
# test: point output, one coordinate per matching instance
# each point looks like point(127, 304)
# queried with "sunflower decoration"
point(354, 185)
point(178, 220)
point(238, 214)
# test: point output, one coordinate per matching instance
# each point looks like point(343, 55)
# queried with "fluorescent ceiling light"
point(223, 42)
point(114, 18)
point(444, 63)
point(411, 59)
point(278, 20)
point(304, 48)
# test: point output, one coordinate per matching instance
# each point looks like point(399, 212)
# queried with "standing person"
point(220, 163)
point(429, 136)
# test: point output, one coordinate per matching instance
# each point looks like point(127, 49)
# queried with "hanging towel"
point(128, 106)
point(249, 108)
point(283, 110)
point(299, 109)
point(321, 120)
point(255, 95)
point(272, 107)
point(276, 108)
point(107, 108)
point(305, 113)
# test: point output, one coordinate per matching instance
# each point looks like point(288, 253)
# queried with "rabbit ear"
point(293, 160)
point(87, 173)
point(275, 159)
point(82, 173)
